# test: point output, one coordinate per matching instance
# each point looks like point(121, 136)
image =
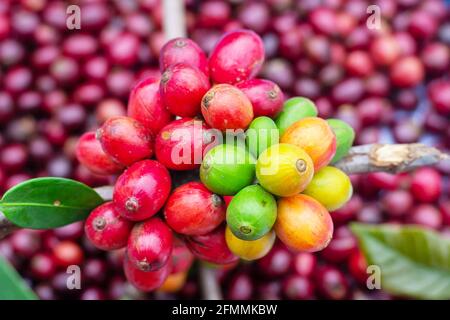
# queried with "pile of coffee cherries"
point(286, 147)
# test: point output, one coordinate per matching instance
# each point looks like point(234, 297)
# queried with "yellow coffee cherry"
point(250, 250)
point(174, 282)
point(331, 187)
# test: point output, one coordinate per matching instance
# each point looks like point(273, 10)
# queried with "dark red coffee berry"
point(426, 185)
point(142, 190)
point(194, 210)
point(150, 245)
point(145, 280)
point(183, 50)
point(125, 140)
point(89, 152)
point(182, 89)
point(106, 229)
point(145, 105)
point(238, 56)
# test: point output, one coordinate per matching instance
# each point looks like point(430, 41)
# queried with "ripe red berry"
point(331, 283)
point(25, 243)
point(384, 50)
point(145, 105)
point(181, 144)
point(304, 264)
point(296, 287)
point(42, 266)
point(194, 210)
point(125, 140)
point(226, 107)
point(439, 93)
point(67, 253)
point(211, 247)
point(407, 72)
point(106, 229)
point(426, 185)
point(341, 246)
point(182, 89)
point(142, 190)
point(357, 266)
point(358, 63)
point(183, 50)
point(182, 257)
point(145, 280)
point(426, 215)
point(89, 153)
point(276, 263)
point(266, 96)
point(150, 245)
point(238, 56)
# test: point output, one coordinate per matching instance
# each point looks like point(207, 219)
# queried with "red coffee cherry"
point(238, 56)
point(194, 210)
point(145, 105)
point(150, 245)
point(181, 144)
point(266, 96)
point(407, 72)
point(226, 107)
point(106, 229)
point(182, 257)
point(68, 253)
point(145, 281)
point(211, 247)
point(125, 140)
point(426, 185)
point(183, 50)
point(182, 89)
point(142, 190)
point(89, 153)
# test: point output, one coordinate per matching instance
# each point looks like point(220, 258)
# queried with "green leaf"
point(12, 286)
point(45, 203)
point(414, 262)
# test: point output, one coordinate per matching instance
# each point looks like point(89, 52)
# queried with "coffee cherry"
point(295, 109)
point(331, 283)
point(261, 134)
point(226, 169)
point(25, 243)
point(284, 169)
point(150, 245)
point(341, 246)
point(384, 50)
point(316, 137)
point(426, 215)
point(125, 140)
point(426, 185)
point(182, 89)
point(226, 107)
point(194, 210)
point(345, 136)
point(181, 144)
point(439, 94)
point(67, 253)
point(89, 152)
point(146, 280)
point(182, 50)
point(407, 72)
point(238, 56)
point(252, 213)
point(174, 282)
point(304, 264)
point(182, 257)
point(276, 263)
point(141, 191)
point(43, 266)
point(250, 250)
point(331, 187)
point(106, 229)
point(145, 105)
point(266, 97)
point(303, 224)
point(211, 247)
point(357, 266)
point(296, 287)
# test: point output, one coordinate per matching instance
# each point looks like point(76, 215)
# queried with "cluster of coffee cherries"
point(248, 132)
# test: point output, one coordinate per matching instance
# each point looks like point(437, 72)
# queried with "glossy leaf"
point(45, 203)
point(12, 286)
point(414, 262)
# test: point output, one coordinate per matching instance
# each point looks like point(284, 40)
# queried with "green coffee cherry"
point(295, 109)
point(345, 135)
point(261, 134)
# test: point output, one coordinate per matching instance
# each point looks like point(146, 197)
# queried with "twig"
point(174, 19)
point(393, 158)
point(209, 284)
